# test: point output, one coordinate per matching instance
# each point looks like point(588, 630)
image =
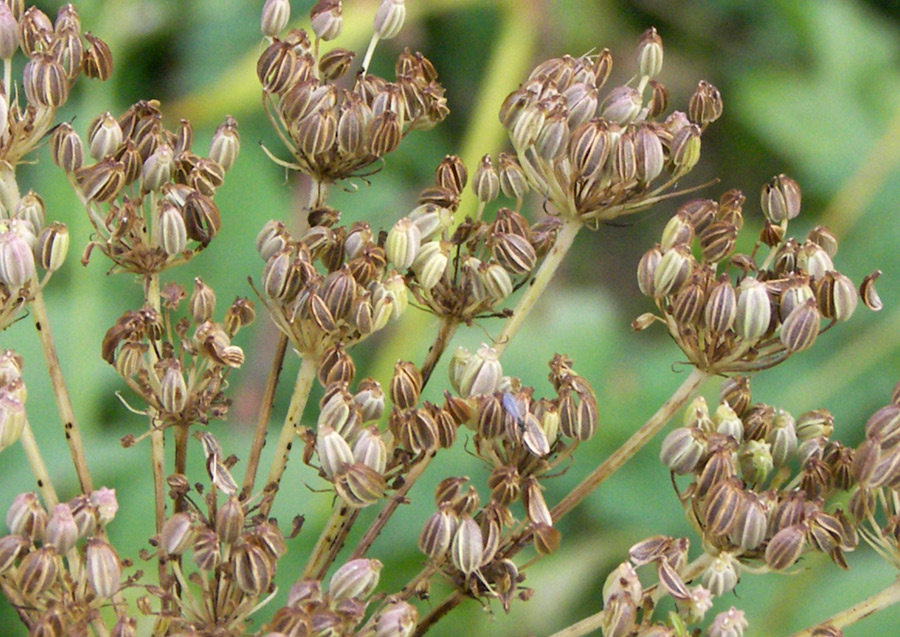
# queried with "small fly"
point(532, 436)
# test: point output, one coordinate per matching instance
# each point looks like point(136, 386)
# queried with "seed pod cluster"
point(31, 564)
point(470, 271)
point(149, 196)
point(522, 438)
point(333, 131)
point(221, 541)
point(331, 285)
point(180, 372)
point(31, 250)
point(337, 608)
point(770, 310)
point(746, 514)
point(596, 157)
point(352, 453)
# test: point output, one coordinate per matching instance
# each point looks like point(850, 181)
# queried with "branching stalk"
point(262, 418)
point(438, 612)
point(396, 500)
point(330, 540)
point(305, 377)
point(38, 468)
point(541, 280)
point(61, 393)
point(869, 606)
point(441, 341)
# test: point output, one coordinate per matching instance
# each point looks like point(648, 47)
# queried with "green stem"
point(262, 419)
point(305, 377)
point(61, 393)
point(330, 540)
point(584, 627)
point(869, 606)
point(38, 468)
point(438, 347)
point(541, 280)
point(157, 440)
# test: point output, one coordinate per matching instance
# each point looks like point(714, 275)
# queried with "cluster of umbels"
point(331, 131)
point(58, 52)
point(596, 158)
point(466, 274)
point(341, 607)
point(234, 554)
point(772, 309)
point(628, 604)
point(761, 489)
point(149, 197)
point(57, 568)
point(179, 366)
point(522, 439)
point(357, 296)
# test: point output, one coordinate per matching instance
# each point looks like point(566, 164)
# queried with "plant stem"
point(390, 507)
point(61, 393)
point(634, 444)
point(869, 606)
point(437, 613)
point(330, 540)
point(305, 377)
point(38, 468)
point(544, 275)
point(262, 419)
point(157, 440)
point(445, 333)
point(584, 627)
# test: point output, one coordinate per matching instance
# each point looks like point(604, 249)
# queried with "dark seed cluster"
point(732, 312)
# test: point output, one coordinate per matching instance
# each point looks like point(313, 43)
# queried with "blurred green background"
point(811, 88)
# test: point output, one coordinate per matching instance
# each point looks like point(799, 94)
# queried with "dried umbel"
point(184, 385)
point(771, 310)
point(748, 515)
point(334, 132)
point(596, 158)
point(329, 286)
point(519, 436)
point(33, 573)
point(148, 196)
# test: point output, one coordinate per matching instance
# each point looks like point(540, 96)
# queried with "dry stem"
point(869, 606)
point(61, 393)
point(262, 419)
point(38, 468)
point(634, 444)
point(305, 377)
point(552, 261)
